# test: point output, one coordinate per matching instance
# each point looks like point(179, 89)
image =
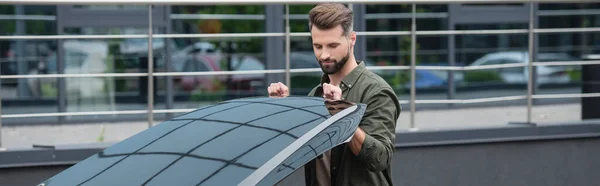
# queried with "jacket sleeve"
point(379, 124)
point(315, 91)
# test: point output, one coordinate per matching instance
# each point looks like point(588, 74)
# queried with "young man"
point(366, 159)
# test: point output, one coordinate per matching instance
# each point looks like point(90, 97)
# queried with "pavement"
point(24, 136)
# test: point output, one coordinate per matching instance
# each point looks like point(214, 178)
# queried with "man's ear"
point(352, 38)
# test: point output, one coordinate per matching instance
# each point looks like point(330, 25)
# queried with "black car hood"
point(251, 141)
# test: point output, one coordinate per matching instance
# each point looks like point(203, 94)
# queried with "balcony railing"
point(413, 33)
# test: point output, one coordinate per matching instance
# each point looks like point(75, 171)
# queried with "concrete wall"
point(528, 163)
point(18, 176)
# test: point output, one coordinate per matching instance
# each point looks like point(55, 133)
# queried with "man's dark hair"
point(330, 15)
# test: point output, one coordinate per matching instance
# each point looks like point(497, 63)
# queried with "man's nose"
point(325, 55)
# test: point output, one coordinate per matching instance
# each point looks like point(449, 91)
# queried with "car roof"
point(249, 141)
point(508, 54)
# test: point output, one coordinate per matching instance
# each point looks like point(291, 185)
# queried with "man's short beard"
point(337, 66)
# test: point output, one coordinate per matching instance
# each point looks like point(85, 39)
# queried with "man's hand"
point(331, 92)
point(278, 90)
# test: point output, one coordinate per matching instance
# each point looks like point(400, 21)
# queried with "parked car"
point(429, 79)
point(242, 82)
point(519, 75)
point(203, 63)
point(425, 78)
point(250, 83)
point(198, 51)
point(434, 78)
point(249, 141)
point(197, 64)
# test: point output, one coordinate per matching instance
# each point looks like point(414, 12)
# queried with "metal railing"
point(413, 33)
point(262, 2)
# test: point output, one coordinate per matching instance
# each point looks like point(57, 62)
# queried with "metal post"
point(413, 57)
point(451, 60)
point(360, 25)
point(60, 63)
point(530, 64)
point(22, 63)
point(287, 46)
point(533, 54)
point(150, 69)
point(0, 107)
point(169, 97)
point(274, 47)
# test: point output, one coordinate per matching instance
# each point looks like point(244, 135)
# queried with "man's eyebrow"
point(332, 43)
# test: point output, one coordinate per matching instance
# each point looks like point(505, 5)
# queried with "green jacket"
point(373, 164)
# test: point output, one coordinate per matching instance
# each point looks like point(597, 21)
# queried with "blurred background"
point(85, 109)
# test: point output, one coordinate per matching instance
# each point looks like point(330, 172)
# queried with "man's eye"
point(318, 47)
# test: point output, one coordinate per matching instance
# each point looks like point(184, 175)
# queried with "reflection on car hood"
point(251, 141)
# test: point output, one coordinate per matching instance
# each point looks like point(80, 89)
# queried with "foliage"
point(208, 96)
point(299, 25)
point(401, 78)
point(48, 90)
point(305, 81)
point(575, 75)
point(218, 93)
point(482, 76)
point(7, 9)
point(100, 138)
point(300, 9)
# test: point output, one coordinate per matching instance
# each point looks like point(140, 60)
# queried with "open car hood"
point(251, 141)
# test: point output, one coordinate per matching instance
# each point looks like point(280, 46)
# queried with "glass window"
point(494, 5)
point(111, 7)
point(74, 59)
point(303, 60)
point(218, 19)
point(568, 6)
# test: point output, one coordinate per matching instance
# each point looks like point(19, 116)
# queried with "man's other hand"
point(331, 92)
point(278, 90)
